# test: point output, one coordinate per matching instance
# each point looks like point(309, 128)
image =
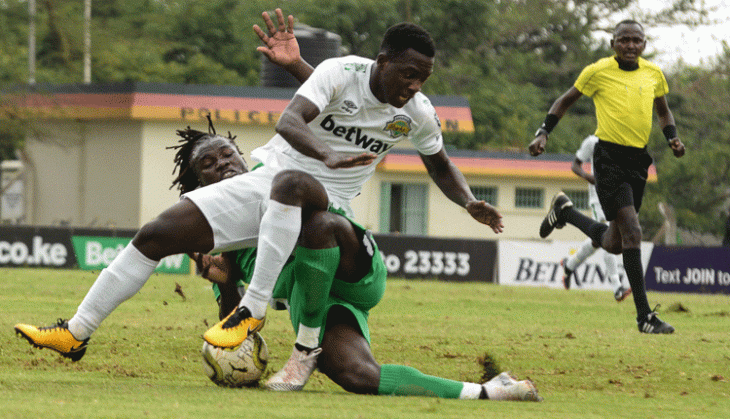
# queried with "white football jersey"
point(585, 154)
point(353, 121)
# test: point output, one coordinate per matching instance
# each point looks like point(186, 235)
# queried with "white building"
point(97, 157)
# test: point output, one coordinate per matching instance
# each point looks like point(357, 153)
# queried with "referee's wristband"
point(670, 132)
point(551, 120)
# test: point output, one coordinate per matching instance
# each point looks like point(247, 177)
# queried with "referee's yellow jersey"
point(624, 100)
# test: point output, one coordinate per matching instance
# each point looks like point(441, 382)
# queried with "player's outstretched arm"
point(486, 214)
point(280, 46)
point(453, 184)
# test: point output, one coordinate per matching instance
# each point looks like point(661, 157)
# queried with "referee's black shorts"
point(621, 173)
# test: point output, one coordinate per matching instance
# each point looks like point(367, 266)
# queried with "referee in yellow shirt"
point(625, 89)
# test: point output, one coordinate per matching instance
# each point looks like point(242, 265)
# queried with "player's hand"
point(213, 268)
point(677, 147)
point(485, 214)
point(537, 146)
point(340, 161)
point(280, 46)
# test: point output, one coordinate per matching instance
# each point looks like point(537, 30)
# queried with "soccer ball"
point(236, 367)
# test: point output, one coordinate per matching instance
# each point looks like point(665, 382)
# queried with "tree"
point(698, 185)
point(510, 58)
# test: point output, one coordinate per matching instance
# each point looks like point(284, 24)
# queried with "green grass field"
point(581, 349)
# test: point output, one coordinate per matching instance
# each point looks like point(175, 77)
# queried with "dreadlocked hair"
point(187, 180)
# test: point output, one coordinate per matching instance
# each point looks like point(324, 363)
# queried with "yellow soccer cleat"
point(234, 329)
point(56, 337)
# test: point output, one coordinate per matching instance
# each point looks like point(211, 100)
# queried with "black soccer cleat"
point(553, 218)
point(654, 325)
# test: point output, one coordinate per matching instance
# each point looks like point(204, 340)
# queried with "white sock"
point(584, 252)
point(470, 391)
point(308, 336)
point(126, 275)
point(612, 269)
point(278, 235)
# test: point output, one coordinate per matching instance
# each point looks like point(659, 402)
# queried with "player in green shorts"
point(334, 278)
point(339, 263)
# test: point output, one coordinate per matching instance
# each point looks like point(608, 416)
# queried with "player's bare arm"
point(280, 46)
point(577, 168)
point(559, 107)
point(666, 119)
point(292, 125)
point(452, 183)
point(486, 214)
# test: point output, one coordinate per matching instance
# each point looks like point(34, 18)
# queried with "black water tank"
point(315, 45)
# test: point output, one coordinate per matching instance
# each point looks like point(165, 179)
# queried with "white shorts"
point(234, 207)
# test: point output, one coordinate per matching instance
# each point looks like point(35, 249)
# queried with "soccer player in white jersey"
point(349, 108)
point(264, 207)
point(571, 263)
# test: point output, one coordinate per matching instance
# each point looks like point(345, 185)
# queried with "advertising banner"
point(446, 259)
point(537, 263)
point(689, 269)
point(64, 247)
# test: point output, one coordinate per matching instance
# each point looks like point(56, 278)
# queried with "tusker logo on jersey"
point(400, 125)
point(354, 135)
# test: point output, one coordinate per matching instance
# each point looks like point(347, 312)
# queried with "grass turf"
point(582, 350)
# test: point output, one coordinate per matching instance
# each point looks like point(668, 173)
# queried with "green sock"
point(399, 380)
point(314, 272)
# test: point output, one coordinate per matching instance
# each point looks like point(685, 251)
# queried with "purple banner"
point(689, 269)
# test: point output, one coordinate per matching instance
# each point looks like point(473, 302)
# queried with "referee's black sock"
point(592, 228)
point(635, 275)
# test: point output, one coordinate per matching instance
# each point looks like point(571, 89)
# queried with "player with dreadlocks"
point(203, 159)
point(206, 158)
point(191, 148)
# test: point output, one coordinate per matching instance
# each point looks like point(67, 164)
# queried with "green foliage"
point(581, 349)
point(12, 129)
point(698, 184)
point(360, 23)
point(511, 59)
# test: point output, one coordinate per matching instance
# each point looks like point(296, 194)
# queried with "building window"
point(528, 198)
point(579, 198)
point(403, 208)
point(485, 193)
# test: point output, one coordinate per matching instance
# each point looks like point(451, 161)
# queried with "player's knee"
point(152, 239)
point(613, 247)
point(631, 236)
point(288, 186)
point(320, 229)
point(294, 187)
point(153, 231)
